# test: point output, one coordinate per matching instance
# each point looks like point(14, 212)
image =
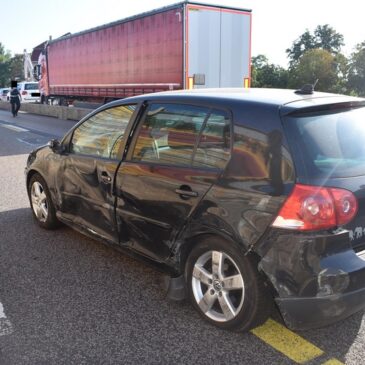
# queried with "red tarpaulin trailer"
point(186, 45)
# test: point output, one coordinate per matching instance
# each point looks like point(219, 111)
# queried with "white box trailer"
point(218, 52)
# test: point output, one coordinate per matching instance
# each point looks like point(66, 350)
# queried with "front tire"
point(225, 286)
point(41, 203)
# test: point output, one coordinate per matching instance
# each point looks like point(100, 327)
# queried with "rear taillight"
point(313, 207)
point(24, 92)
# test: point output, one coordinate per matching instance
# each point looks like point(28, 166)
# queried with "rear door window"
point(215, 141)
point(169, 133)
point(33, 86)
point(329, 144)
point(184, 135)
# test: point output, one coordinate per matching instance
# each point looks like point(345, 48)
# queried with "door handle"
point(185, 191)
point(105, 178)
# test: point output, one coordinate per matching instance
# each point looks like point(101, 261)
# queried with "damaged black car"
point(243, 197)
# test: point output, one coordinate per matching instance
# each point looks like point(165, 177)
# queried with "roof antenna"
point(307, 89)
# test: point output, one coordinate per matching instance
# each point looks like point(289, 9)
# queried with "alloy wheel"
point(218, 286)
point(39, 201)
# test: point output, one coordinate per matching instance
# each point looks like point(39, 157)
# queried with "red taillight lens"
point(24, 92)
point(346, 205)
point(313, 207)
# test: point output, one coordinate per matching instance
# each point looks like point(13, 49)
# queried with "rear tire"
point(41, 203)
point(225, 286)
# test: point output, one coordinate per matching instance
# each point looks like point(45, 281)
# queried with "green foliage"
point(304, 43)
point(356, 74)
point(259, 61)
point(328, 39)
point(342, 69)
point(265, 74)
point(11, 68)
point(316, 64)
point(315, 55)
point(16, 67)
point(4, 66)
point(324, 37)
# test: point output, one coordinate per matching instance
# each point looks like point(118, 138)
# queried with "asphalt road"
point(66, 299)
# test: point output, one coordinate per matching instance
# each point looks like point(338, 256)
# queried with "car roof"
point(284, 98)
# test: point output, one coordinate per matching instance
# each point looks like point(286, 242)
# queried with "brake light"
point(24, 92)
point(313, 207)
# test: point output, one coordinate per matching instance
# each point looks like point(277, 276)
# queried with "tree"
point(316, 64)
point(342, 69)
point(11, 68)
point(16, 67)
point(324, 37)
point(259, 61)
point(328, 39)
point(4, 66)
point(356, 76)
point(304, 43)
point(265, 74)
point(4, 55)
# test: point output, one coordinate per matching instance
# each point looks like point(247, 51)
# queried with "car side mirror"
point(55, 145)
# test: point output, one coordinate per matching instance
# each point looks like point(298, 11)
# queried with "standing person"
point(14, 99)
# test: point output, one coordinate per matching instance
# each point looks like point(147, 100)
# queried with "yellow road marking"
point(333, 362)
point(287, 342)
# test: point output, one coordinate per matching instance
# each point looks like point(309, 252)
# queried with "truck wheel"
point(60, 101)
point(225, 286)
point(40, 201)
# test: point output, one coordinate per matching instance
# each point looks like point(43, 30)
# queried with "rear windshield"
point(329, 144)
point(31, 86)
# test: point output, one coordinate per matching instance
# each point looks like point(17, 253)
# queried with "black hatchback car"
point(241, 196)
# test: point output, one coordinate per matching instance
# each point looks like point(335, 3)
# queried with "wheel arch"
point(184, 247)
point(33, 172)
point(186, 244)
point(30, 174)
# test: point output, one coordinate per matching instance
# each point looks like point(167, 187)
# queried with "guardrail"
point(61, 112)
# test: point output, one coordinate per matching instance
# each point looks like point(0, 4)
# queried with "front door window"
point(101, 135)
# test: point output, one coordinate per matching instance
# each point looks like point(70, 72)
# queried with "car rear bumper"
point(319, 279)
point(308, 313)
point(340, 293)
point(31, 100)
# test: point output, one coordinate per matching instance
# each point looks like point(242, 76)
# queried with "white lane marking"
point(14, 128)
point(361, 255)
point(6, 328)
point(28, 143)
point(2, 313)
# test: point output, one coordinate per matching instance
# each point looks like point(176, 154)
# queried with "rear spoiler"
point(326, 108)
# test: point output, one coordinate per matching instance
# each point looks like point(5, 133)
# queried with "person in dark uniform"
point(15, 99)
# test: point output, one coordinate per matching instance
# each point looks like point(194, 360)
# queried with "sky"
point(275, 23)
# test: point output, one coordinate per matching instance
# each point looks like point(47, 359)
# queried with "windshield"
point(329, 144)
point(31, 86)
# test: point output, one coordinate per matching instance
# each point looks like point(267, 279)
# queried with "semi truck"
point(182, 46)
